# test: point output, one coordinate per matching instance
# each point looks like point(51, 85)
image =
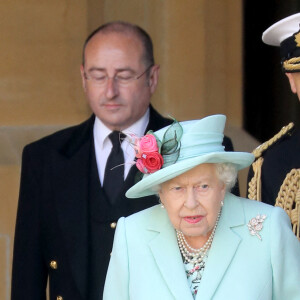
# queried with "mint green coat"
point(146, 263)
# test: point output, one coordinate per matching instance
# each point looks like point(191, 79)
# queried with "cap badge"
point(297, 39)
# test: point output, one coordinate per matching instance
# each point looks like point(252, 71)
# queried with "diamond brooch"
point(256, 224)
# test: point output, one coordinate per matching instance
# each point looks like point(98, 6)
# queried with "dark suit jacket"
point(65, 224)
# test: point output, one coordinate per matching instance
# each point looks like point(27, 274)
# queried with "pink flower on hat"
point(145, 144)
point(149, 160)
point(150, 150)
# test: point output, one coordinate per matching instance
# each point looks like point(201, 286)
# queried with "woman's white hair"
point(227, 173)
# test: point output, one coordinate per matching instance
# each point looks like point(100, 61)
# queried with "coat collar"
point(156, 121)
point(167, 256)
point(78, 136)
point(224, 247)
point(225, 244)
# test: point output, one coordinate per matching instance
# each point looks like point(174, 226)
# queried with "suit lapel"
point(224, 247)
point(70, 193)
point(168, 258)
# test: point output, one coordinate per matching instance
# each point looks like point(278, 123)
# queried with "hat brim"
point(281, 30)
point(145, 187)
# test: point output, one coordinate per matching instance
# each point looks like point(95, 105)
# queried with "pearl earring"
point(222, 203)
point(161, 204)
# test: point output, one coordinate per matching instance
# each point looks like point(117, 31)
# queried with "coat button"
point(59, 298)
point(53, 264)
point(113, 225)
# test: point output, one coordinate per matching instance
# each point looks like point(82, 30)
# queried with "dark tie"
point(114, 170)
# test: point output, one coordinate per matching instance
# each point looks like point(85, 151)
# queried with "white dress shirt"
point(103, 144)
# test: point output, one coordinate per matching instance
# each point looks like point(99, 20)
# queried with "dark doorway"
point(268, 101)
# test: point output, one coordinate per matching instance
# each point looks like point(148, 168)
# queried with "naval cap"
point(286, 34)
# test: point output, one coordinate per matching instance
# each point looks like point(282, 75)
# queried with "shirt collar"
point(101, 132)
point(139, 127)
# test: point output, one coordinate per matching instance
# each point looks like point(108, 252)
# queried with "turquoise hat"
point(201, 142)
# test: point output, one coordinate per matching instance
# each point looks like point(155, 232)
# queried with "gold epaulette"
point(254, 188)
point(263, 147)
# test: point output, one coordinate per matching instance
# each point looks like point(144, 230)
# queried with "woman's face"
point(193, 200)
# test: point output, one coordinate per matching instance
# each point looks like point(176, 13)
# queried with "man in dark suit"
point(66, 216)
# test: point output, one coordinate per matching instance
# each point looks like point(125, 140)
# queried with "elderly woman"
point(202, 242)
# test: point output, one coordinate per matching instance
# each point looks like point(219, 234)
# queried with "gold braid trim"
point(263, 147)
point(292, 64)
point(254, 189)
point(289, 198)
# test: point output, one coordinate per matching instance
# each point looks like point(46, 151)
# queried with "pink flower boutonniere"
point(152, 154)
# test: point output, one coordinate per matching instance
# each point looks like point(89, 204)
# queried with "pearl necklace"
point(195, 255)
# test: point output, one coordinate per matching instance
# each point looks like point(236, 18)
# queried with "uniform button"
point(59, 298)
point(113, 225)
point(53, 264)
